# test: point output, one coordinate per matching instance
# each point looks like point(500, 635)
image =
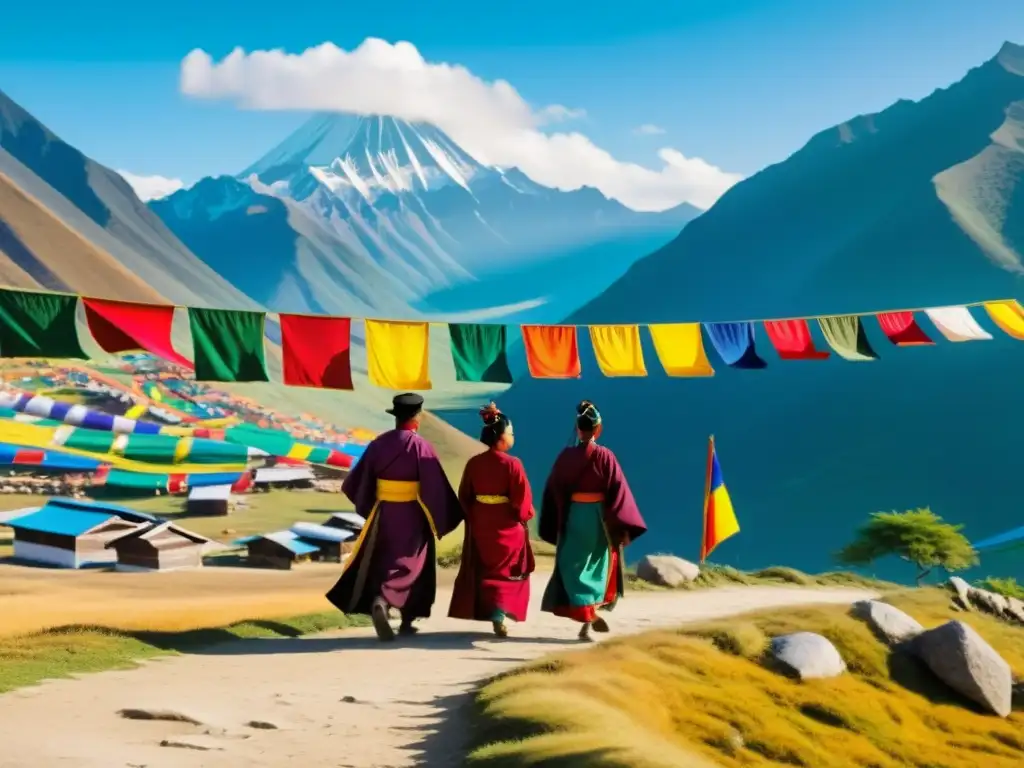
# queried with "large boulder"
point(963, 660)
point(807, 655)
point(666, 570)
point(886, 620)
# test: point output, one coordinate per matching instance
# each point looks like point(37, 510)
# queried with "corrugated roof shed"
point(286, 539)
point(352, 518)
point(60, 521)
point(209, 493)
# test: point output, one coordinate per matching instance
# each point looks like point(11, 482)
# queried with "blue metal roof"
point(59, 521)
point(286, 539)
point(74, 505)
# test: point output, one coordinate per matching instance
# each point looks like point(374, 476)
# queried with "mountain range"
point(378, 215)
point(919, 205)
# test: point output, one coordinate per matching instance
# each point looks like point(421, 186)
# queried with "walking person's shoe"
point(584, 634)
point(498, 622)
point(381, 625)
point(600, 625)
point(406, 629)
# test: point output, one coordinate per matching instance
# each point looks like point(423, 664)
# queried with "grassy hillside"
point(918, 205)
point(700, 696)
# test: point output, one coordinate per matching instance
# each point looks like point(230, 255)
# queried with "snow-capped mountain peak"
point(371, 156)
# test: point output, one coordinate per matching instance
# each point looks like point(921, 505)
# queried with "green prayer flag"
point(38, 325)
point(228, 344)
point(479, 352)
point(90, 440)
point(845, 334)
point(136, 480)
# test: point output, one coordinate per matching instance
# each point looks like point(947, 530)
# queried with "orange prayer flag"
point(552, 351)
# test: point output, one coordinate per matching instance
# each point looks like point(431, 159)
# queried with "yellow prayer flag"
point(1009, 316)
point(680, 349)
point(618, 350)
point(398, 354)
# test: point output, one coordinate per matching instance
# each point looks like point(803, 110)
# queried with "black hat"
point(406, 405)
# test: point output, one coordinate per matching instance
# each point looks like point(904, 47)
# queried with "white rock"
point(808, 655)
point(666, 570)
point(887, 620)
point(963, 660)
point(962, 589)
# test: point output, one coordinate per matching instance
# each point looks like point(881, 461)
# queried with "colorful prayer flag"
point(734, 343)
point(398, 354)
point(124, 326)
point(316, 351)
point(38, 325)
point(792, 340)
point(228, 344)
point(552, 351)
point(845, 334)
point(618, 350)
point(902, 329)
point(479, 354)
point(957, 324)
point(719, 517)
point(1009, 316)
point(680, 348)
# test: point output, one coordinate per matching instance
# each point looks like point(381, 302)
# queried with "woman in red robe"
point(494, 578)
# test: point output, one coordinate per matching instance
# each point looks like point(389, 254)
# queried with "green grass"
point(776, 575)
point(63, 651)
point(705, 695)
point(1005, 587)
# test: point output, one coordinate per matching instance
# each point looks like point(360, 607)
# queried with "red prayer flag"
point(902, 329)
point(552, 351)
point(177, 483)
point(792, 340)
point(125, 326)
point(317, 351)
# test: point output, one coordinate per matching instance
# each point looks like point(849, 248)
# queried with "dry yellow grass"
point(700, 696)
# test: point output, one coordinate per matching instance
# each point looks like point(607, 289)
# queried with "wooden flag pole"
point(707, 493)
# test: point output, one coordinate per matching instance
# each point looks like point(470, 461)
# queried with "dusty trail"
point(341, 700)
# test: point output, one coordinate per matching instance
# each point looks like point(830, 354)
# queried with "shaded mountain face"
point(69, 223)
point(447, 231)
point(919, 205)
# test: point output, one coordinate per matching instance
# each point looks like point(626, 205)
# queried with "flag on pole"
point(719, 517)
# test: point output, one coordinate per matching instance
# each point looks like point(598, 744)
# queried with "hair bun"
point(490, 414)
point(583, 407)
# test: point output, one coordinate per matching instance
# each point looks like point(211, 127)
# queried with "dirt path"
point(341, 700)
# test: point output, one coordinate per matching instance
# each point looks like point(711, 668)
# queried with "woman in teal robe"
point(589, 513)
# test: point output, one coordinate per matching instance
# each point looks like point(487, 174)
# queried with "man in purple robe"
point(399, 487)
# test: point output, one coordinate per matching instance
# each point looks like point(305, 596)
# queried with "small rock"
point(349, 700)
point(165, 715)
point(962, 590)
point(887, 620)
point(963, 660)
point(666, 570)
point(187, 745)
point(1016, 609)
point(808, 655)
point(262, 725)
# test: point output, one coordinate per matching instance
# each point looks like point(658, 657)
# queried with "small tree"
point(918, 536)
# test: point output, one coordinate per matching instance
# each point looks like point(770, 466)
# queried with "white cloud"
point(490, 120)
point(151, 187)
point(648, 129)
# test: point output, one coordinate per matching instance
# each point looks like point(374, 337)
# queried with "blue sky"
point(739, 83)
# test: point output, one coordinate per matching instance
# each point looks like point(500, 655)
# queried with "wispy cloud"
point(151, 187)
point(648, 129)
point(490, 120)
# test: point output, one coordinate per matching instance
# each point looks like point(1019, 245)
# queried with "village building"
point(331, 543)
point(279, 550)
point(283, 477)
point(208, 500)
point(73, 534)
point(346, 521)
point(160, 546)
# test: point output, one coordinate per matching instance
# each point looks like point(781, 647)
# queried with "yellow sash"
point(489, 499)
point(394, 491)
